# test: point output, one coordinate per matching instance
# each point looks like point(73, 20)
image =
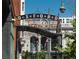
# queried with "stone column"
point(39, 43)
point(50, 44)
point(48, 48)
point(60, 45)
point(20, 56)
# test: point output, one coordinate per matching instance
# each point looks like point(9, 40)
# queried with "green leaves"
point(70, 50)
point(70, 37)
point(41, 55)
point(38, 55)
point(27, 55)
point(74, 25)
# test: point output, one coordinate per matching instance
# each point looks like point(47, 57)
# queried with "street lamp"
point(62, 8)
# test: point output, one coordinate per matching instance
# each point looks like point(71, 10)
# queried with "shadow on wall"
point(5, 10)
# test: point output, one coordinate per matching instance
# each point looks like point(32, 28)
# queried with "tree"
point(70, 50)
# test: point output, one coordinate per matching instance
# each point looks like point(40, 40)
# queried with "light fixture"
point(62, 8)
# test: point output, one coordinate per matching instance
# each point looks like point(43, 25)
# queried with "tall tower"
point(22, 7)
point(22, 11)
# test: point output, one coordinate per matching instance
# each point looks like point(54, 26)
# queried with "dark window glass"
point(63, 20)
point(67, 20)
point(43, 43)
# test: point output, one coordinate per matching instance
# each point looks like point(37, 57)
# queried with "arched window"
point(44, 43)
point(33, 43)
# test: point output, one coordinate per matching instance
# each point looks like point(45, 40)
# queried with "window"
point(33, 43)
point(22, 6)
point(67, 20)
point(44, 43)
point(63, 20)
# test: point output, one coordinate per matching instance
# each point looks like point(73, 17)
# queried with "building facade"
point(33, 42)
point(29, 41)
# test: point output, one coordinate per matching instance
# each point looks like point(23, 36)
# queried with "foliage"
point(40, 55)
point(27, 55)
point(74, 25)
point(70, 50)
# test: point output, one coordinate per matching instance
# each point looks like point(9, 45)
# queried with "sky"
point(42, 6)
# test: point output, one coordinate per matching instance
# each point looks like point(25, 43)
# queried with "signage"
point(47, 21)
point(31, 16)
point(43, 24)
